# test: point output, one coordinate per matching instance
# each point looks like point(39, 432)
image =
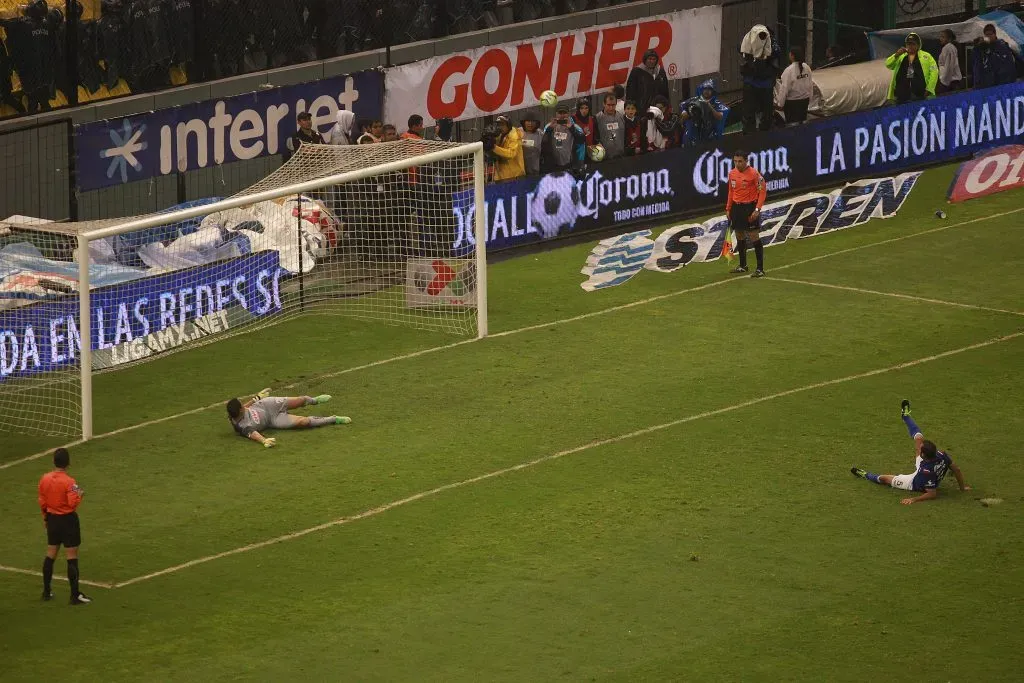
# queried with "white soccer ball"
point(596, 152)
point(549, 98)
point(555, 205)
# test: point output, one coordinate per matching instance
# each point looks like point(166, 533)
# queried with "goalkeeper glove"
point(269, 443)
point(263, 393)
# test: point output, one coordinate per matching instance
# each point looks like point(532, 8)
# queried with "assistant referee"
point(747, 192)
point(59, 497)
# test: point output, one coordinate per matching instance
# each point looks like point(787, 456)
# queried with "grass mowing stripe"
point(896, 295)
point(529, 328)
point(372, 512)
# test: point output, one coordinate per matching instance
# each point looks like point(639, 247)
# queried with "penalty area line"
point(29, 572)
point(373, 512)
point(529, 328)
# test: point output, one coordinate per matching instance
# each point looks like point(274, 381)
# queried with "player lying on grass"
point(932, 465)
point(264, 411)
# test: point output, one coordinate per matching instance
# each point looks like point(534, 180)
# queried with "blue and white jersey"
point(930, 473)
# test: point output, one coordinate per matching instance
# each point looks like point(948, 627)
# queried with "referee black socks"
point(72, 576)
point(759, 253)
point(47, 573)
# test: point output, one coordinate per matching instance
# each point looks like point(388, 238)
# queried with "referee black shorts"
point(739, 220)
point(63, 530)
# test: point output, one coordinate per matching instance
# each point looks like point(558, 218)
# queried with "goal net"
point(389, 233)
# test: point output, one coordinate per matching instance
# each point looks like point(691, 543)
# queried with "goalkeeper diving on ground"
point(263, 412)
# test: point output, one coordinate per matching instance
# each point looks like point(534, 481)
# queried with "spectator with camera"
point(994, 62)
point(564, 146)
point(533, 138)
point(914, 72)
point(611, 129)
point(796, 86)
point(646, 81)
point(508, 151)
point(703, 116)
point(662, 125)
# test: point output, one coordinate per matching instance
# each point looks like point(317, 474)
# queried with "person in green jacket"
point(914, 72)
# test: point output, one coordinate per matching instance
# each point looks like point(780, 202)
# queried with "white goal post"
point(391, 233)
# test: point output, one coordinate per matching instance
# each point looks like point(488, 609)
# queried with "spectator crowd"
point(122, 46)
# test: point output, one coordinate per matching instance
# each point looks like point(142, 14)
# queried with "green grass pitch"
point(730, 546)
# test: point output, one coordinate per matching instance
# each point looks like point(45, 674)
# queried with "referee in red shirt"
point(59, 497)
point(747, 192)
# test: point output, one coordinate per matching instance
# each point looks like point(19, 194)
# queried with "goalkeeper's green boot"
point(905, 407)
point(339, 420)
point(322, 398)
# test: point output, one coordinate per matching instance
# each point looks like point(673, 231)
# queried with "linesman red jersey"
point(58, 493)
point(746, 187)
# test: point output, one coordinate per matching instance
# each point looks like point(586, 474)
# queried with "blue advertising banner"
point(215, 132)
point(650, 189)
point(140, 318)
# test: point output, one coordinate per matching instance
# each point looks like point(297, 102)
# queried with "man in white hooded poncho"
point(341, 133)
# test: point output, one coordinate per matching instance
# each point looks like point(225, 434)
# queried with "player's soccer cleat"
point(47, 596)
point(738, 269)
point(322, 398)
point(757, 273)
point(858, 472)
point(81, 599)
point(341, 420)
point(905, 407)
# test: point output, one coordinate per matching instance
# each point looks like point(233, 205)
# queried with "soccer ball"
point(596, 152)
point(549, 98)
point(555, 205)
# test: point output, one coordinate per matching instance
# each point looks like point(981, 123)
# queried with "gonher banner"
point(509, 76)
point(618, 259)
point(215, 132)
point(646, 190)
point(994, 171)
point(141, 318)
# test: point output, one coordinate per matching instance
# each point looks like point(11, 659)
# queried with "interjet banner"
point(216, 132)
point(614, 261)
point(646, 191)
point(501, 78)
point(138, 319)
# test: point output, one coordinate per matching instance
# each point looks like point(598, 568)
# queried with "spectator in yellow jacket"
point(509, 150)
point(914, 72)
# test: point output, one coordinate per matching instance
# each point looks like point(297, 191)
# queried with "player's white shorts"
point(904, 481)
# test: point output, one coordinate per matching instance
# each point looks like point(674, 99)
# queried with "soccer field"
point(649, 482)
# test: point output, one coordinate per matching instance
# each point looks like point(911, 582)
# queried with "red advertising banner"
point(511, 76)
point(996, 170)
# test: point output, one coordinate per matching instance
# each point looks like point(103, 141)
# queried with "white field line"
point(57, 577)
point(529, 328)
point(896, 295)
point(560, 454)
